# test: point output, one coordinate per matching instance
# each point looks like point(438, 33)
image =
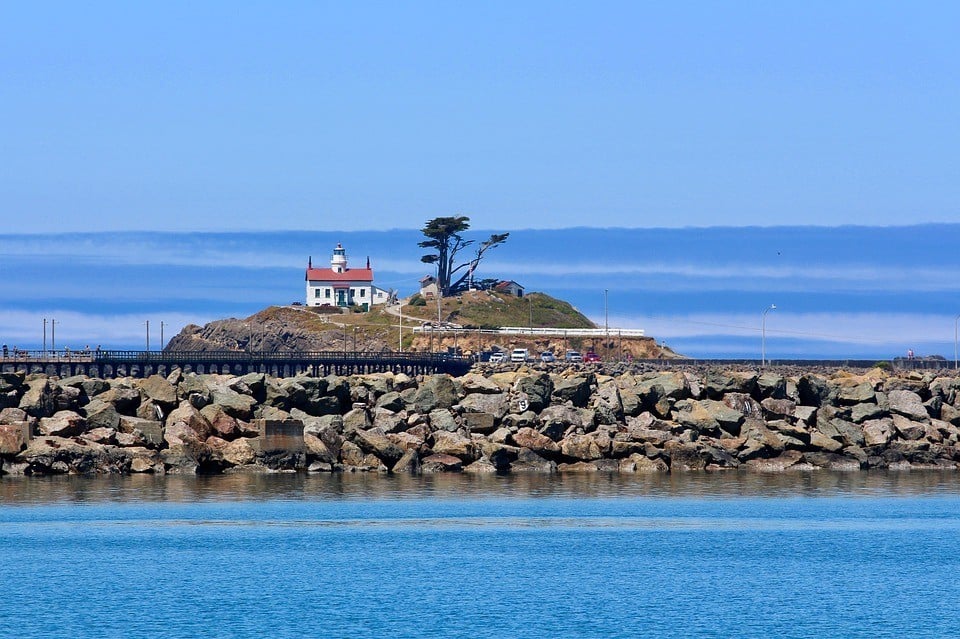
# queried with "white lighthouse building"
point(341, 285)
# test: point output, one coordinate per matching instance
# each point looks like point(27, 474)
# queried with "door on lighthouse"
point(341, 297)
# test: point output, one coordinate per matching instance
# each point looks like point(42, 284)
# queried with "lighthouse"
point(341, 285)
point(338, 263)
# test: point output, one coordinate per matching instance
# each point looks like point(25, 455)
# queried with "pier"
point(127, 363)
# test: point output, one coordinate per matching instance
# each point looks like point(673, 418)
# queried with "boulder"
point(101, 414)
point(238, 452)
point(357, 419)
point(582, 447)
point(813, 390)
point(482, 423)
point(684, 457)
point(784, 461)
point(376, 442)
point(409, 463)
point(772, 386)
point(529, 462)
point(778, 408)
point(575, 390)
point(101, 435)
point(907, 428)
point(443, 420)
point(126, 400)
point(851, 392)
point(224, 425)
point(878, 432)
point(148, 430)
point(63, 424)
point(496, 404)
point(436, 391)
point(453, 444)
point(717, 383)
point(38, 400)
point(535, 441)
point(474, 383)
point(11, 415)
point(538, 389)
point(694, 414)
point(640, 464)
point(907, 403)
point(192, 418)
point(233, 403)
point(439, 463)
point(607, 404)
point(390, 401)
point(14, 437)
point(159, 390)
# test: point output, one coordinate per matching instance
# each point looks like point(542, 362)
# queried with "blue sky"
point(225, 116)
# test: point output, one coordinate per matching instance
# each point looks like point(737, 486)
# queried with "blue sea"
point(698, 555)
point(839, 292)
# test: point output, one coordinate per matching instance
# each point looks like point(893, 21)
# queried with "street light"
point(606, 314)
point(955, 324)
point(763, 334)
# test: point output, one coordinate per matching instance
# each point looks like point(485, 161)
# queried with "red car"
point(590, 357)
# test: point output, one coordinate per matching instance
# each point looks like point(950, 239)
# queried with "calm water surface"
point(800, 555)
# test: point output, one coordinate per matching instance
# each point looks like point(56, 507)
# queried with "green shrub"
point(417, 300)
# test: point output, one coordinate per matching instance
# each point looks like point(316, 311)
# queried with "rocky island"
point(577, 418)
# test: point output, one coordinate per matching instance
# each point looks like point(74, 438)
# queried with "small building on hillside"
point(341, 285)
point(509, 287)
point(428, 287)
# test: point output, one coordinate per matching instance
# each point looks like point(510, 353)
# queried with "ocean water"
point(840, 292)
point(812, 555)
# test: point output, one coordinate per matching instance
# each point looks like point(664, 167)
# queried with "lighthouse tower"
point(338, 263)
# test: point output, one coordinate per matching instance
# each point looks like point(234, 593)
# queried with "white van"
point(519, 355)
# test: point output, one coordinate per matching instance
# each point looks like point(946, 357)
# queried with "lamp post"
point(44, 336)
point(763, 334)
point(161, 335)
point(606, 314)
point(956, 321)
point(53, 335)
point(148, 336)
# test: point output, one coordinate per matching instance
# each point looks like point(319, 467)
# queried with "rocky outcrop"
point(506, 421)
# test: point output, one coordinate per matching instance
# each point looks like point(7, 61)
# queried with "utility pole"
point(44, 335)
point(161, 335)
point(53, 334)
point(148, 336)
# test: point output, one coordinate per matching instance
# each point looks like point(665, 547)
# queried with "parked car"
point(296, 304)
point(547, 356)
point(519, 355)
point(591, 358)
point(573, 356)
point(496, 358)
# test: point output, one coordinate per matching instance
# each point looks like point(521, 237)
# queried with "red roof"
point(349, 275)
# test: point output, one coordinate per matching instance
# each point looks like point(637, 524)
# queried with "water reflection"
point(301, 487)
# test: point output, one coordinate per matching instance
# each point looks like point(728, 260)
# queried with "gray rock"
point(391, 401)
point(497, 404)
point(233, 403)
point(436, 391)
point(575, 390)
point(442, 419)
point(101, 414)
point(537, 388)
point(160, 391)
point(908, 404)
point(849, 393)
point(482, 423)
point(529, 462)
point(377, 443)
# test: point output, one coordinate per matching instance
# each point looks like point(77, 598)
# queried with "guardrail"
point(535, 332)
